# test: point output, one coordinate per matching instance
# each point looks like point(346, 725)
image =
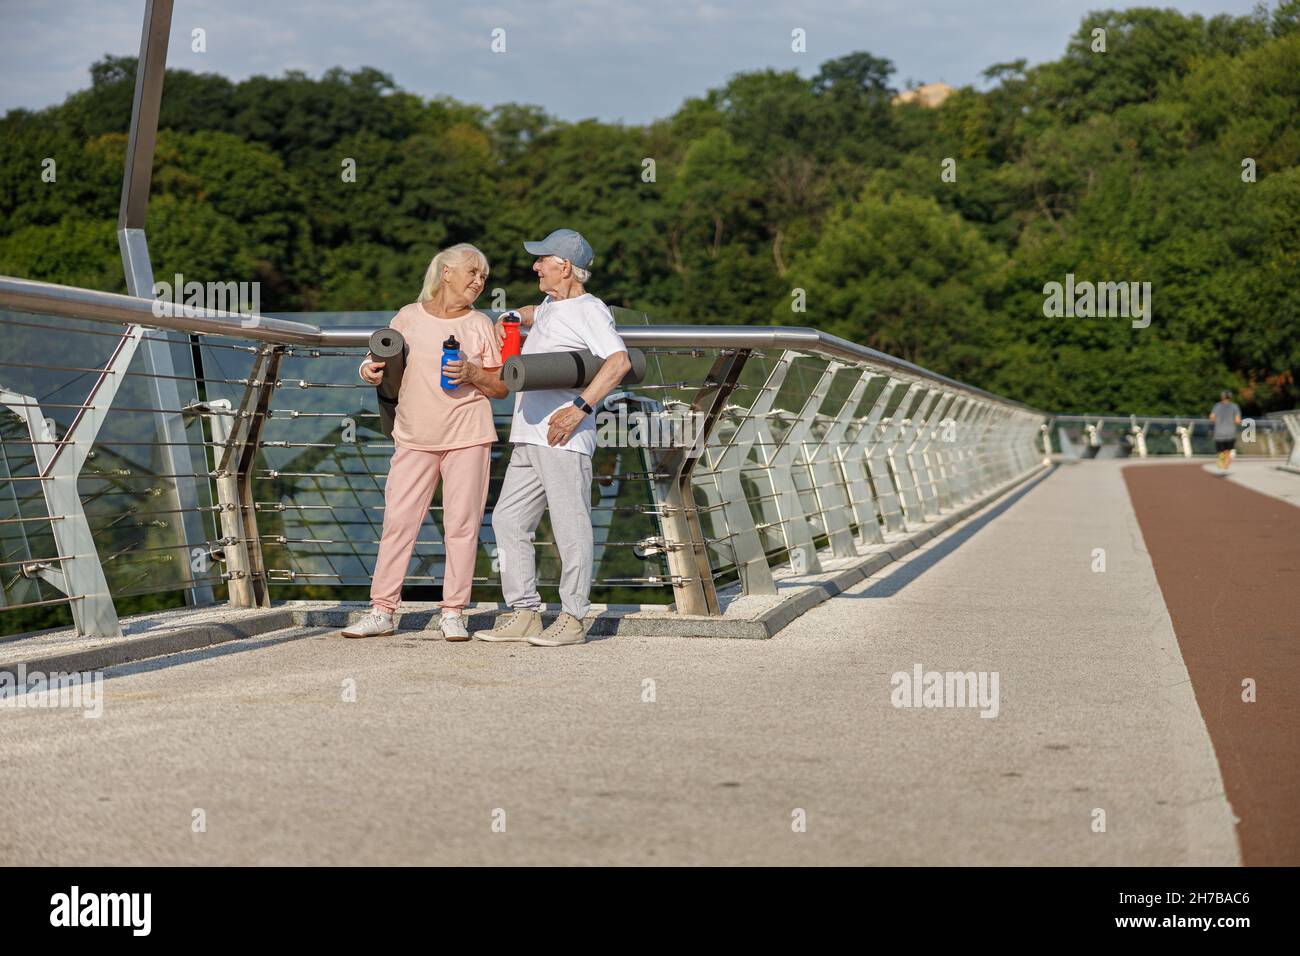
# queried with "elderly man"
point(553, 437)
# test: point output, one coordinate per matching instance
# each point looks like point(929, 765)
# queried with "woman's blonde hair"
point(450, 256)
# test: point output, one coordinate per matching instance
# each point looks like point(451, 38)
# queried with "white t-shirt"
point(566, 325)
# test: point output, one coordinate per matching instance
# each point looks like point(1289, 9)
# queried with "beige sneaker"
point(565, 629)
point(517, 625)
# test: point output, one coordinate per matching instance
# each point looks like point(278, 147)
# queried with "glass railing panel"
point(144, 493)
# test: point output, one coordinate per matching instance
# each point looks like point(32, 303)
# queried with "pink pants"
point(412, 477)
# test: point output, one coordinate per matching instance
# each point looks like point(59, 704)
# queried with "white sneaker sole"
point(540, 641)
point(487, 635)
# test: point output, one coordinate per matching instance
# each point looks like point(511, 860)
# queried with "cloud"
point(576, 58)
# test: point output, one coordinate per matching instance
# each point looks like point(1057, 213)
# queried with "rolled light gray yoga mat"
point(388, 346)
point(527, 373)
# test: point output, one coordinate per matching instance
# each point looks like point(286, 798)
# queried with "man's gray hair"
point(582, 275)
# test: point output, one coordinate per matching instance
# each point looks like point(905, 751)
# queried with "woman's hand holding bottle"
point(462, 372)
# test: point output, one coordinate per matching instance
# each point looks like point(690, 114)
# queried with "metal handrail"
point(47, 298)
point(1146, 419)
point(27, 295)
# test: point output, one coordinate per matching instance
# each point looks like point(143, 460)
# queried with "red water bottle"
point(511, 345)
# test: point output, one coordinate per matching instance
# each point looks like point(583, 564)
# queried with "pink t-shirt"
point(430, 417)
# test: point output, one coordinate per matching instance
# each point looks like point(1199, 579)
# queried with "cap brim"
point(536, 248)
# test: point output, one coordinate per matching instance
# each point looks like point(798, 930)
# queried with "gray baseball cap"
point(567, 244)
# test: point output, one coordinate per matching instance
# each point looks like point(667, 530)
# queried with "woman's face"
point(465, 280)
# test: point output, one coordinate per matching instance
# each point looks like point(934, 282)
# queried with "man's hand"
point(525, 320)
point(372, 372)
point(563, 424)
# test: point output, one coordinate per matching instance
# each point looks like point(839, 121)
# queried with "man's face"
point(550, 272)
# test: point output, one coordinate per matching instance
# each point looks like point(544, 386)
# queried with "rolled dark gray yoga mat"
point(527, 373)
point(388, 346)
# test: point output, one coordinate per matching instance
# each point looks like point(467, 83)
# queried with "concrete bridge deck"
point(1095, 712)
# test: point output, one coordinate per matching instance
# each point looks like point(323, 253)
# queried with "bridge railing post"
point(237, 460)
point(1292, 422)
point(687, 554)
point(829, 488)
point(233, 546)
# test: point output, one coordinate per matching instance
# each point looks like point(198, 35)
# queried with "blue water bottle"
point(450, 353)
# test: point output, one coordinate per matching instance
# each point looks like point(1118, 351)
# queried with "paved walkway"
point(674, 750)
point(1264, 477)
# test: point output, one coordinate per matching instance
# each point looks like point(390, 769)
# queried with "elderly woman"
point(438, 433)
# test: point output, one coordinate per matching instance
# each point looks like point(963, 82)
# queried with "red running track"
point(1228, 562)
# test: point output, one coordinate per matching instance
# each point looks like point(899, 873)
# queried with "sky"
point(614, 60)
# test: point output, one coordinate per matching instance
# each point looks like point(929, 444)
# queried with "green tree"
point(899, 274)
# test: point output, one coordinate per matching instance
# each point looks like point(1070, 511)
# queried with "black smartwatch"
point(579, 403)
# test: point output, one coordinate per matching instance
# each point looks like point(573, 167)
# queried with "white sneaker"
point(375, 624)
point(452, 625)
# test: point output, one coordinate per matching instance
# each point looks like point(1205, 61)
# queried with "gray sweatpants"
point(539, 477)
